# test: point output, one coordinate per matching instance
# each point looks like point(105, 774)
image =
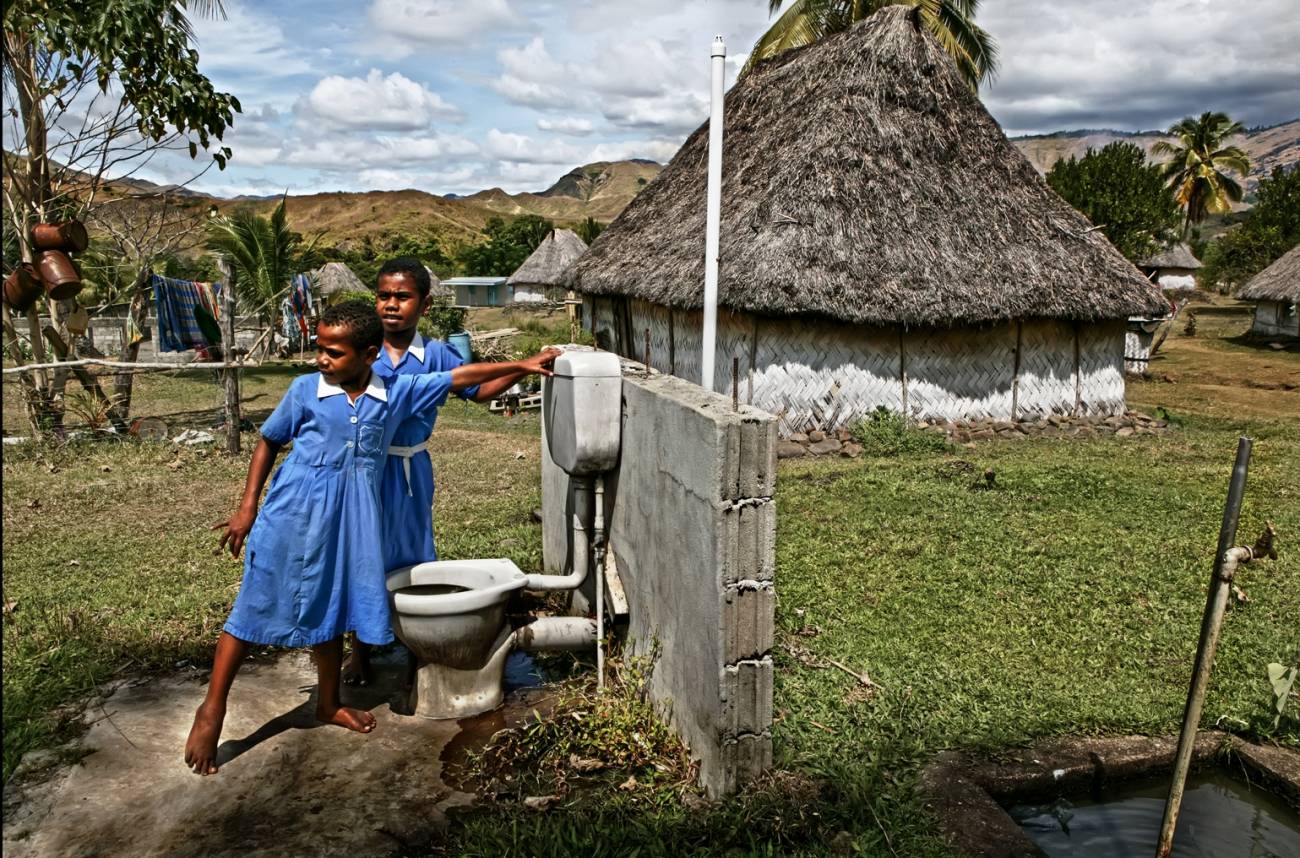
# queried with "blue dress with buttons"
point(408, 506)
point(314, 562)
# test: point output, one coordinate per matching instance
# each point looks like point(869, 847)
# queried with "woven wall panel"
point(819, 375)
point(824, 375)
point(1046, 368)
point(1101, 367)
point(960, 373)
point(1137, 351)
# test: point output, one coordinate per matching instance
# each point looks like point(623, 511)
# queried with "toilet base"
point(442, 692)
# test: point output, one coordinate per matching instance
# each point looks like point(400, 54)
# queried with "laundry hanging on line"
point(296, 312)
point(188, 313)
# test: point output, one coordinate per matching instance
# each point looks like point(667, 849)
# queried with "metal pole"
point(713, 215)
point(1211, 622)
point(233, 418)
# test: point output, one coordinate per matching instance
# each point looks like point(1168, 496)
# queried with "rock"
point(1052, 431)
point(1159, 424)
point(844, 435)
point(1056, 420)
point(789, 450)
point(961, 436)
point(799, 438)
point(540, 802)
point(1124, 432)
point(1001, 425)
point(851, 450)
point(1007, 433)
point(981, 434)
point(816, 435)
point(827, 445)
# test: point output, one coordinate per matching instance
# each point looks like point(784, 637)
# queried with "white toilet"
point(451, 615)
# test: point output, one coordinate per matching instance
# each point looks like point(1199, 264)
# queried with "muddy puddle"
point(1221, 818)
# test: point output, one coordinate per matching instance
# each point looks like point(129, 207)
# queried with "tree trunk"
point(124, 384)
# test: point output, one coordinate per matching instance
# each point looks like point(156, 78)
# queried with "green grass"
point(1066, 600)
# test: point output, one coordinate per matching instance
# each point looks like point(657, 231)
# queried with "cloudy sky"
point(453, 97)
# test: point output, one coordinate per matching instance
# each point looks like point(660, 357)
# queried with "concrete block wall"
point(692, 526)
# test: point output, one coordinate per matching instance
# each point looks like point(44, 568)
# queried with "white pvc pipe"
point(599, 531)
point(713, 215)
point(556, 634)
point(581, 544)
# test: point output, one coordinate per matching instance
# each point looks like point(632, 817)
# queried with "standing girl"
point(315, 563)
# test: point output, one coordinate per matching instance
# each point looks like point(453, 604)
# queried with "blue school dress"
point(406, 491)
point(314, 562)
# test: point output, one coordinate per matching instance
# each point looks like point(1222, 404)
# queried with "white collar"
point(415, 349)
point(376, 388)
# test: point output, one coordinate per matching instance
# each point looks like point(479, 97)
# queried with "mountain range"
point(601, 190)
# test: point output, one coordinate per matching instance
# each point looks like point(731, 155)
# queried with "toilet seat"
point(486, 582)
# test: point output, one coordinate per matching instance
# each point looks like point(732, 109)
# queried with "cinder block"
point(747, 697)
point(741, 759)
point(749, 542)
point(756, 467)
point(748, 615)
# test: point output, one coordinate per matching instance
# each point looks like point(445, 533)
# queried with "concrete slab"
point(287, 785)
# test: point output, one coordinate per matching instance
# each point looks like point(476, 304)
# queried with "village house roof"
point(1278, 282)
point(864, 181)
point(1178, 256)
point(545, 266)
point(333, 278)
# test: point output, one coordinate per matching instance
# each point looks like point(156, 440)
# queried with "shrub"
point(886, 433)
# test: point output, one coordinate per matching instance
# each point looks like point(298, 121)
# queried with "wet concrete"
point(287, 785)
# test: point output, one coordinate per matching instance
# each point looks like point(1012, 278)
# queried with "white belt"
point(406, 454)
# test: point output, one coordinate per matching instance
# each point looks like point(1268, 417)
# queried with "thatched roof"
point(335, 277)
point(545, 266)
point(436, 289)
point(864, 181)
point(1178, 256)
point(1278, 282)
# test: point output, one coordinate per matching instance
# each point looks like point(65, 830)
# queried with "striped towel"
point(187, 314)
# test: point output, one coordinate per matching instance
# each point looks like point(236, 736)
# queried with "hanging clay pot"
point(62, 279)
point(69, 236)
point(22, 288)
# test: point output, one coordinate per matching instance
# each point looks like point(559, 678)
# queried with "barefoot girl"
point(406, 490)
point(315, 564)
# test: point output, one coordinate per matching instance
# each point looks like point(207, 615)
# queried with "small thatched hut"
point(1276, 293)
point(334, 279)
point(439, 293)
point(1173, 268)
point(882, 244)
point(540, 278)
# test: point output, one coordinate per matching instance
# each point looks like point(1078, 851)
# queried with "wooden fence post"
point(232, 375)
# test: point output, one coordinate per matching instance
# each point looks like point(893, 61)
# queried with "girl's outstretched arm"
point(490, 390)
point(470, 374)
point(239, 524)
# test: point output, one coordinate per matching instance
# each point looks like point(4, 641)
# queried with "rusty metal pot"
point(69, 236)
point(62, 279)
point(22, 288)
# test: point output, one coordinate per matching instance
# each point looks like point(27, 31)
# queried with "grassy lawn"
point(1068, 599)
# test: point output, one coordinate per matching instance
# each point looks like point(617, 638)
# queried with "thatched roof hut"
point(335, 278)
point(437, 291)
point(1276, 293)
point(546, 265)
point(868, 198)
point(1173, 268)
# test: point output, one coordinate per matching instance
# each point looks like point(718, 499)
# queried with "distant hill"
point(598, 190)
point(1267, 147)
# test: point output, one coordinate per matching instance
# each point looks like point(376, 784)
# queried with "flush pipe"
point(581, 544)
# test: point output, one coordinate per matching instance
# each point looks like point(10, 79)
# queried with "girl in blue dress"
point(406, 488)
point(315, 566)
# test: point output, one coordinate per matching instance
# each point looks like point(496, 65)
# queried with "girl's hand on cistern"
point(541, 362)
point(237, 528)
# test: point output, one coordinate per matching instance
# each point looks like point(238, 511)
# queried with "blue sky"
point(459, 96)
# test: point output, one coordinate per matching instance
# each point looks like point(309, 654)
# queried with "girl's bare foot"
point(345, 716)
point(201, 746)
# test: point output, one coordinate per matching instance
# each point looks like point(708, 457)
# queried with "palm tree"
point(1198, 163)
point(952, 22)
point(265, 254)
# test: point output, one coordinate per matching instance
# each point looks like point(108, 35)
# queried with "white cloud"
point(415, 24)
point(574, 126)
point(522, 149)
point(377, 101)
point(347, 154)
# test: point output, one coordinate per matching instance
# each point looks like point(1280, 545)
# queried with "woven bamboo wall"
point(825, 375)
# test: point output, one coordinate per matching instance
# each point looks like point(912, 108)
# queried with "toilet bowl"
point(451, 615)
